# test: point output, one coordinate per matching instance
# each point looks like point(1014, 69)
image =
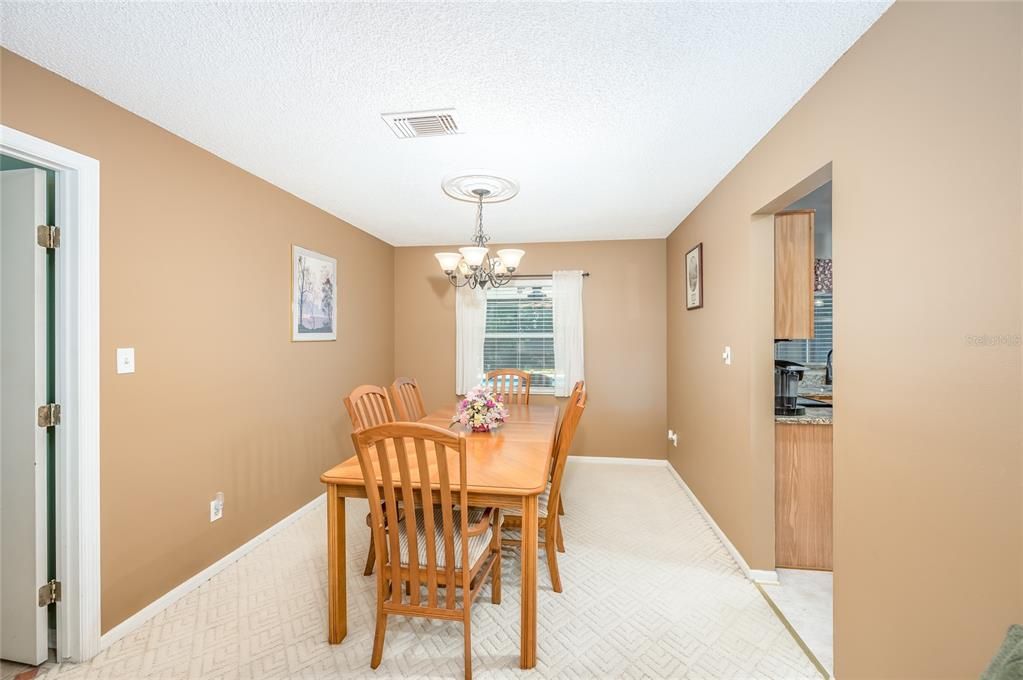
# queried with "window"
point(520, 331)
point(811, 352)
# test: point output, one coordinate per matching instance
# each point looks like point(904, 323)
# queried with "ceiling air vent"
point(422, 123)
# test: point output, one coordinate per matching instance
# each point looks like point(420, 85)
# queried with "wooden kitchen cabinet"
point(793, 274)
point(804, 472)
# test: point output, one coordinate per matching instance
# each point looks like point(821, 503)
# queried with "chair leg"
point(468, 643)
point(370, 559)
point(561, 505)
point(378, 637)
point(552, 560)
point(495, 576)
point(560, 534)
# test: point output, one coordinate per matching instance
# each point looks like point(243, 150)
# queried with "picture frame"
point(314, 296)
point(692, 284)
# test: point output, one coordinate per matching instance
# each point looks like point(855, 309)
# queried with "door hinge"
point(49, 593)
point(49, 415)
point(48, 236)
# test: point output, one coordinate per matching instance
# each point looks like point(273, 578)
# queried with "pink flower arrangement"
point(481, 410)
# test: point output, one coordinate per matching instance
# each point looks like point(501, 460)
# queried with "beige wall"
point(922, 122)
point(623, 314)
point(196, 262)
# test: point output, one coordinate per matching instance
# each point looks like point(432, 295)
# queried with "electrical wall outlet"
point(673, 437)
point(217, 507)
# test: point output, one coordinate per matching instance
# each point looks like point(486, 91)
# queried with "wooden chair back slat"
point(448, 525)
point(511, 383)
point(391, 526)
point(463, 503)
point(428, 525)
point(408, 499)
point(564, 442)
point(368, 405)
point(408, 399)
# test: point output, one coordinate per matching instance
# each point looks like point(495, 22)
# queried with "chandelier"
point(473, 265)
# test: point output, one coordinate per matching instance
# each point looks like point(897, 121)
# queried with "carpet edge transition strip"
point(795, 636)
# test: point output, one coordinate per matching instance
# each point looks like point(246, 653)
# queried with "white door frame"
point(77, 386)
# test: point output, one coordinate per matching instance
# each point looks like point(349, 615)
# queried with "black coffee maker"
point(787, 375)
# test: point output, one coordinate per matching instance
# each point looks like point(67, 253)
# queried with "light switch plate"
point(125, 359)
point(726, 356)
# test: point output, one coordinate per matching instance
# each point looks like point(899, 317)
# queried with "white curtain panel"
point(470, 330)
point(568, 331)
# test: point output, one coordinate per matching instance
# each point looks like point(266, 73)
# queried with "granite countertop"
point(814, 415)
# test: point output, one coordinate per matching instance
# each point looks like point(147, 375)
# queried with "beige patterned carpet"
point(650, 592)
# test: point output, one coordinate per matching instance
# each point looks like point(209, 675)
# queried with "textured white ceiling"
point(617, 119)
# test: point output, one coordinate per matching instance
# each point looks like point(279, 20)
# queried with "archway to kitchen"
point(790, 316)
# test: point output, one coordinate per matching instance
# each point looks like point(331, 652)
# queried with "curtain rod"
point(537, 276)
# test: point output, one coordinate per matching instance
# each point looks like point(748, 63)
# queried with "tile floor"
point(805, 598)
point(10, 670)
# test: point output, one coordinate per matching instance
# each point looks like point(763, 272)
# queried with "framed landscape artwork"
point(694, 277)
point(314, 296)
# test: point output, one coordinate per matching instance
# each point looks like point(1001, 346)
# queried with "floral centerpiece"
point(481, 410)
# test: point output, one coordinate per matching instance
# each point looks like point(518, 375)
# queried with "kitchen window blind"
point(811, 352)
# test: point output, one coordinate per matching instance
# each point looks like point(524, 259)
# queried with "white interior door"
point(23, 634)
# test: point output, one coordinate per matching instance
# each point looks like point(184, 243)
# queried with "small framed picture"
point(694, 277)
point(314, 296)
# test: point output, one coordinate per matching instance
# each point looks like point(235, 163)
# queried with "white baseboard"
point(136, 620)
point(623, 461)
point(765, 576)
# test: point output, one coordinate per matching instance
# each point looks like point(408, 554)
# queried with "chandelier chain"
point(480, 238)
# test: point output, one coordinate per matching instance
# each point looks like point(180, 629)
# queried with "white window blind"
point(811, 352)
point(520, 331)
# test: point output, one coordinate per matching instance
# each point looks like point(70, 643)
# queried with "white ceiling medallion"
point(412, 124)
point(468, 184)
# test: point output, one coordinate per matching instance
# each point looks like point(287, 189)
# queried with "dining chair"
point(442, 543)
point(368, 405)
point(547, 503)
point(579, 385)
point(408, 399)
point(511, 383)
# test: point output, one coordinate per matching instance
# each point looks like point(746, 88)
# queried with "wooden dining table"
point(506, 468)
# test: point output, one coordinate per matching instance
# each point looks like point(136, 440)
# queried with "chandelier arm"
point(454, 281)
